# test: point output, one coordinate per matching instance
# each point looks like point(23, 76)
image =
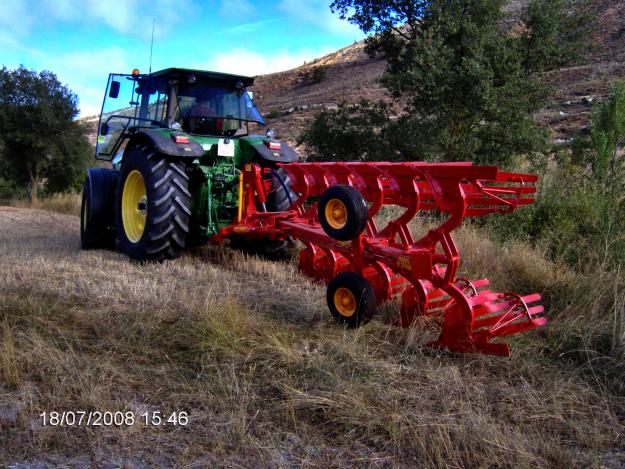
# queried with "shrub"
point(319, 73)
point(351, 132)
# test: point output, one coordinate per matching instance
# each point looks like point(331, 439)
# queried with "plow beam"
point(385, 252)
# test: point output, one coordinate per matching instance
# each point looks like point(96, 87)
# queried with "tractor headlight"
point(271, 133)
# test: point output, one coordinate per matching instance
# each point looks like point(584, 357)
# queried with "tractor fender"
point(164, 143)
point(102, 183)
point(285, 154)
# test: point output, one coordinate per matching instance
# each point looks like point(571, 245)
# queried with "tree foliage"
point(599, 150)
point(351, 132)
point(464, 84)
point(319, 73)
point(556, 33)
point(41, 142)
point(580, 212)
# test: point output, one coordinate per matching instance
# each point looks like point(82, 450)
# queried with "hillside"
point(288, 99)
point(294, 97)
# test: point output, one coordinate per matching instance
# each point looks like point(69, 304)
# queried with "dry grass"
point(8, 362)
point(247, 348)
point(68, 203)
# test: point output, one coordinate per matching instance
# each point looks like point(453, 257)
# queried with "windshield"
point(206, 109)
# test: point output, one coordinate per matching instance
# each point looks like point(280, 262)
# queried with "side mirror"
point(114, 91)
point(104, 129)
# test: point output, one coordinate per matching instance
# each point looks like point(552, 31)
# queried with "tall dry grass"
point(8, 361)
point(68, 203)
point(246, 346)
point(586, 308)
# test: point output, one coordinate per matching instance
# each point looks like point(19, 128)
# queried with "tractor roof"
point(183, 73)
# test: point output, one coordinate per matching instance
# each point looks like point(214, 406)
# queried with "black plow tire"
point(152, 205)
point(97, 224)
point(342, 212)
point(351, 299)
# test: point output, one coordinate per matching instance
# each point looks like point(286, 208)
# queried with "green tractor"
point(176, 141)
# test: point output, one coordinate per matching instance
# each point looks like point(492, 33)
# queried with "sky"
point(82, 41)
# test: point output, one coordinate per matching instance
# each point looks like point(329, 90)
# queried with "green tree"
point(555, 33)
point(42, 142)
point(465, 86)
point(607, 133)
point(580, 214)
point(352, 132)
point(599, 150)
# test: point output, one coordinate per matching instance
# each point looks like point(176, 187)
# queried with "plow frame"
point(422, 272)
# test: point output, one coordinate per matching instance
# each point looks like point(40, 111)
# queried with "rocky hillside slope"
point(289, 98)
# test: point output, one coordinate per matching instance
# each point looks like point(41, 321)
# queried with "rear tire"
point(97, 229)
point(281, 196)
point(279, 199)
point(152, 205)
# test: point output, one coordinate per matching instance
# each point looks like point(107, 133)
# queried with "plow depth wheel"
point(351, 299)
point(342, 212)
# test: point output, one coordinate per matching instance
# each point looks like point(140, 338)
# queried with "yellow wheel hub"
point(336, 214)
point(345, 302)
point(134, 206)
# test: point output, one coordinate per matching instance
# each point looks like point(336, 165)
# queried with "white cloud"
point(245, 62)
point(8, 41)
point(62, 9)
point(237, 8)
point(86, 74)
point(16, 17)
point(124, 16)
point(317, 12)
point(247, 28)
point(90, 100)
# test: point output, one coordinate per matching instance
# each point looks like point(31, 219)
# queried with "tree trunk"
point(34, 182)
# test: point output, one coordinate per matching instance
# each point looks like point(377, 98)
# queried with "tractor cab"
point(195, 102)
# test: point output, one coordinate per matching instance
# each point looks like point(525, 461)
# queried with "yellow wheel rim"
point(345, 302)
point(336, 214)
point(134, 206)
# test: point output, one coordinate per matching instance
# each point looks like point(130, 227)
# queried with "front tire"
point(152, 205)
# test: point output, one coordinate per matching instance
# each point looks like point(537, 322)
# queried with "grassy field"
point(247, 348)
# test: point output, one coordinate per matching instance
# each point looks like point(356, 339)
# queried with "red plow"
point(335, 215)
